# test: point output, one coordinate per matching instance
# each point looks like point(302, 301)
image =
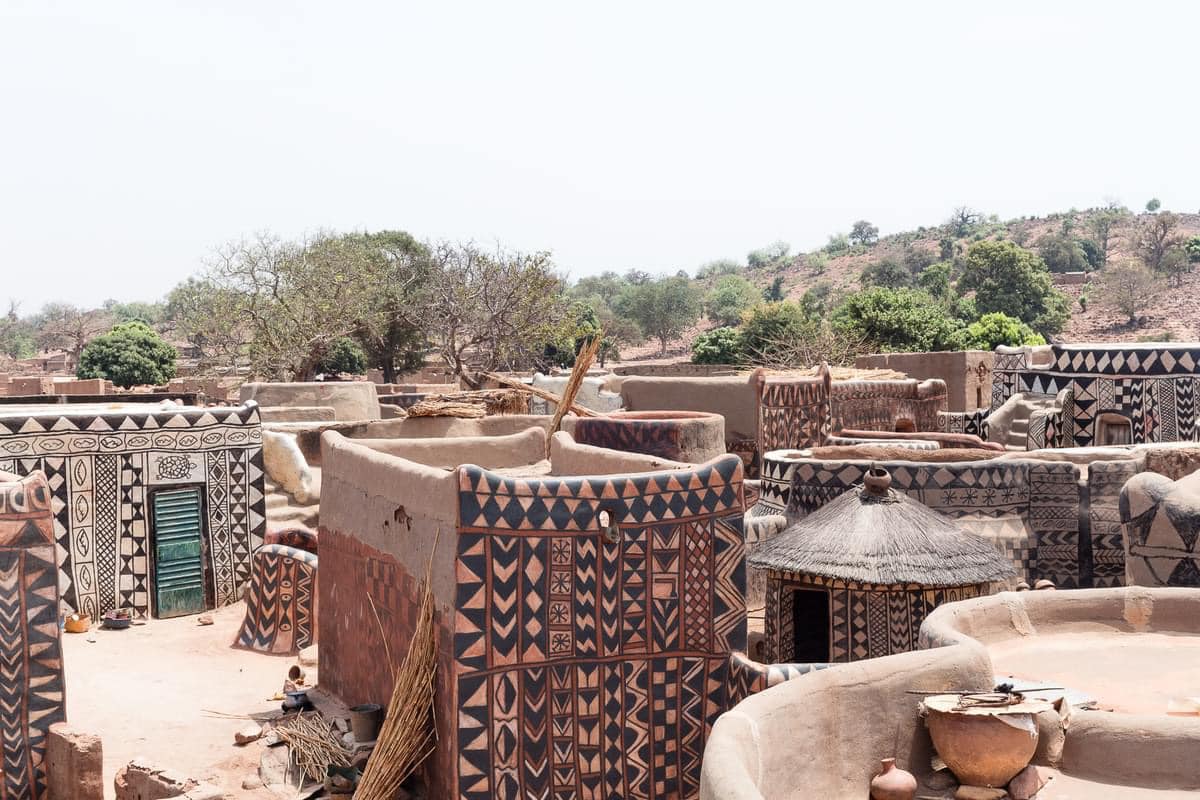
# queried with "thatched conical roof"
point(874, 534)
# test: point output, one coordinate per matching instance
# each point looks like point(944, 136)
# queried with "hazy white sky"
point(136, 136)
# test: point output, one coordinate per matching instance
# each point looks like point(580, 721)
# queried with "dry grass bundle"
point(459, 404)
point(583, 362)
point(846, 373)
point(442, 408)
point(408, 735)
point(312, 745)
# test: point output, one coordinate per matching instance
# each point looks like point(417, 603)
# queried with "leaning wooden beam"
point(583, 362)
point(542, 393)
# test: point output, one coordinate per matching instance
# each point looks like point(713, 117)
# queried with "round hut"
point(855, 578)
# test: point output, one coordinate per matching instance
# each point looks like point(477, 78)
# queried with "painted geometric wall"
point(586, 667)
point(281, 604)
point(102, 469)
point(32, 694)
point(1029, 509)
point(1154, 388)
point(865, 620)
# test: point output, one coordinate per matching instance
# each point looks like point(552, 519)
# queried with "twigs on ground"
point(312, 744)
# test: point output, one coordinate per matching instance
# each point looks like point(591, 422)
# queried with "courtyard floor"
point(147, 691)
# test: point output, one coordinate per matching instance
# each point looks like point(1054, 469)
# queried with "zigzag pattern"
point(281, 609)
point(31, 679)
point(590, 668)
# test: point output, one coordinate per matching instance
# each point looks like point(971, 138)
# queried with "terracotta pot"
point(893, 783)
point(983, 747)
point(78, 623)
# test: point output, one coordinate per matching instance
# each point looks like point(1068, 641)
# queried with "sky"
point(136, 137)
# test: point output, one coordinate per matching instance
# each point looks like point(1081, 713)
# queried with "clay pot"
point(78, 623)
point(983, 747)
point(893, 783)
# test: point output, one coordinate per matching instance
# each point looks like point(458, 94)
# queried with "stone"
point(308, 656)
point(204, 619)
point(248, 734)
point(979, 793)
point(141, 780)
point(1027, 784)
point(342, 724)
point(251, 782)
point(74, 764)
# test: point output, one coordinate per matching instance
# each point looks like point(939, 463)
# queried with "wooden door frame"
point(210, 588)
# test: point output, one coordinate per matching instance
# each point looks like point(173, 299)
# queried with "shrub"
point(995, 329)
point(718, 346)
point(897, 319)
point(343, 355)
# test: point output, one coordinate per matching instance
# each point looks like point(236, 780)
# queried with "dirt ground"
point(147, 690)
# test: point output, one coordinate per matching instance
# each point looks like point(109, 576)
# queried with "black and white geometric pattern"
point(98, 469)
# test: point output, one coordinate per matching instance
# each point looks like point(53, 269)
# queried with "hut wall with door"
point(811, 619)
point(1039, 512)
point(156, 509)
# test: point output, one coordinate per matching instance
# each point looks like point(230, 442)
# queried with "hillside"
point(1176, 316)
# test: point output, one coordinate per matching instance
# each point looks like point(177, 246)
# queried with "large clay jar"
point(893, 783)
point(983, 746)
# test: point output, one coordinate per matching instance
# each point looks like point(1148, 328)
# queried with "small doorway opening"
point(905, 425)
point(978, 397)
point(1114, 429)
point(810, 626)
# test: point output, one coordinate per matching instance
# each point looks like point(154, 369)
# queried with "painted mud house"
point(157, 507)
point(1075, 395)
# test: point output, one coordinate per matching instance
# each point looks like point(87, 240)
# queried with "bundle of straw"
point(408, 735)
point(447, 408)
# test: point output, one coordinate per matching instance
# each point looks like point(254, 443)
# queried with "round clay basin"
point(686, 436)
point(662, 415)
point(983, 746)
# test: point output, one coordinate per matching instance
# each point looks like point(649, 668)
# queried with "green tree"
point(1155, 237)
point(815, 300)
point(730, 298)
point(62, 326)
point(995, 329)
point(294, 299)
point(864, 233)
point(770, 256)
point(963, 222)
point(1062, 253)
point(1130, 288)
point(607, 285)
point(344, 356)
point(493, 310)
point(1010, 279)
point(1104, 224)
point(1192, 248)
point(152, 314)
point(209, 317)
point(1153, 205)
point(663, 308)
point(769, 327)
point(897, 319)
point(774, 292)
point(838, 243)
point(391, 326)
point(935, 280)
point(888, 273)
point(16, 335)
point(715, 269)
point(131, 354)
point(718, 346)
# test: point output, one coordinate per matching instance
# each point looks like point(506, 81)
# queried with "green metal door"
point(178, 560)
